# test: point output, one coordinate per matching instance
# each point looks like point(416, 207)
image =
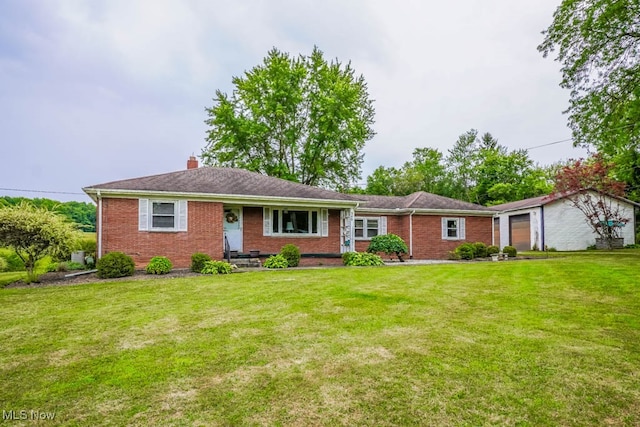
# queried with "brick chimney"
point(192, 163)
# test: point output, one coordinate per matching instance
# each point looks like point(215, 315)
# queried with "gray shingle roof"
point(240, 182)
point(419, 200)
point(228, 181)
point(532, 202)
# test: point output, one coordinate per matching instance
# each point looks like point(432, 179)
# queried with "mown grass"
point(533, 342)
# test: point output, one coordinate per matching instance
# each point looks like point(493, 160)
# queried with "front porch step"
point(246, 262)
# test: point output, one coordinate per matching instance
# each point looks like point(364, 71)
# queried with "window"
point(281, 221)
point(162, 215)
point(366, 228)
point(453, 229)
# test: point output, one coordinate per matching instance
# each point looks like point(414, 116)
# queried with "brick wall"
point(120, 233)
point(427, 234)
point(253, 238)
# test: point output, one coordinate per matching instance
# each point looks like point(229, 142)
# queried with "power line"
point(41, 191)
point(550, 143)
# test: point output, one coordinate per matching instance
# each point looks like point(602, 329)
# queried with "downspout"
point(99, 225)
point(411, 234)
point(352, 237)
point(543, 244)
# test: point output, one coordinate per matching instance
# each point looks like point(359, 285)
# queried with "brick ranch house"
point(199, 209)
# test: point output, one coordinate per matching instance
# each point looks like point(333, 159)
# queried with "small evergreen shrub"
point(197, 261)
point(159, 265)
point(276, 261)
point(216, 267)
point(4, 265)
point(466, 251)
point(454, 256)
point(511, 251)
point(480, 250)
point(389, 244)
point(115, 264)
point(492, 250)
point(362, 259)
point(291, 253)
point(629, 246)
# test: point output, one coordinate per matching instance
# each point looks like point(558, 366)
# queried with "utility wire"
point(41, 191)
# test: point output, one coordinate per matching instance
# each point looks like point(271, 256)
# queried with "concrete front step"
point(246, 262)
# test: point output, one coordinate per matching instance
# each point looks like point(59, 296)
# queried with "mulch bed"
point(58, 278)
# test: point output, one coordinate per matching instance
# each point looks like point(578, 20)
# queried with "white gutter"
point(226, 198)
point(396, 211)
point(411, 234)
point(99, 224)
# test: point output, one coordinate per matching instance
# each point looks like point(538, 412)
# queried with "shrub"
point(551, 249)
point(4, 265)
point(88, 245)
point(197, 261)
point(511, 251)
point(632, 246)
point(480, 250)
point(466, 251)
point(291, 253)
point(115, 264)
point(159, 265)
point(453, 256)
point(216, 267)
point(276, 261)
point(493, 250)
point(389, 244)
point(14, 263)
point(361, 259)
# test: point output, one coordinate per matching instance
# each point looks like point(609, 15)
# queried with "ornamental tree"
point(34, 233)
point(589, 187)
point(297, 118)
point(389, 244)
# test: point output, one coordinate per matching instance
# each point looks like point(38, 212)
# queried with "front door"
point(232, 221)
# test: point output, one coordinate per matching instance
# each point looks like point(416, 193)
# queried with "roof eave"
point(405, 211)
point(224, 198)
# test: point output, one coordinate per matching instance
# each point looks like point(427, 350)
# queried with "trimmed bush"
point(276, 261)
point(453, 256)
point(466, 251)
point(291, 253)
point(197, 261)
point(510, 250)
point(115, 264)
point(389, 244)
point(159, 265)
point(216, 267)
point(493, 250)
point(361, 259)
point(480, 249)
point(4, 265)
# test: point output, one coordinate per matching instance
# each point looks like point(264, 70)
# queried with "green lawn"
point(534, 342)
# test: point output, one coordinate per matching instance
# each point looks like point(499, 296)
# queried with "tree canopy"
point(81, 213)
point(297, 118)
point(476, 169)
point(597, 43)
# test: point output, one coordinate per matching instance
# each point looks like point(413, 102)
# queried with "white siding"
point(567, 230)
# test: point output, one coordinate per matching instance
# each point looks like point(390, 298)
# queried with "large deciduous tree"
point(297, 118)
point(598, 44)
point(34, 233)
point(589, 187)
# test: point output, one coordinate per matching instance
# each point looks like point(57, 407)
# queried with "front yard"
point(534, 342)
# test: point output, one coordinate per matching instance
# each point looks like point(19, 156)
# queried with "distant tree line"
point(81, 213)
point(476, 169)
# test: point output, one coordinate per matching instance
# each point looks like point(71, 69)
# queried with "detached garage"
point(554, 223)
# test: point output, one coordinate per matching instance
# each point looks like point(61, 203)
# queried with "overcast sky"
point(95, 91)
